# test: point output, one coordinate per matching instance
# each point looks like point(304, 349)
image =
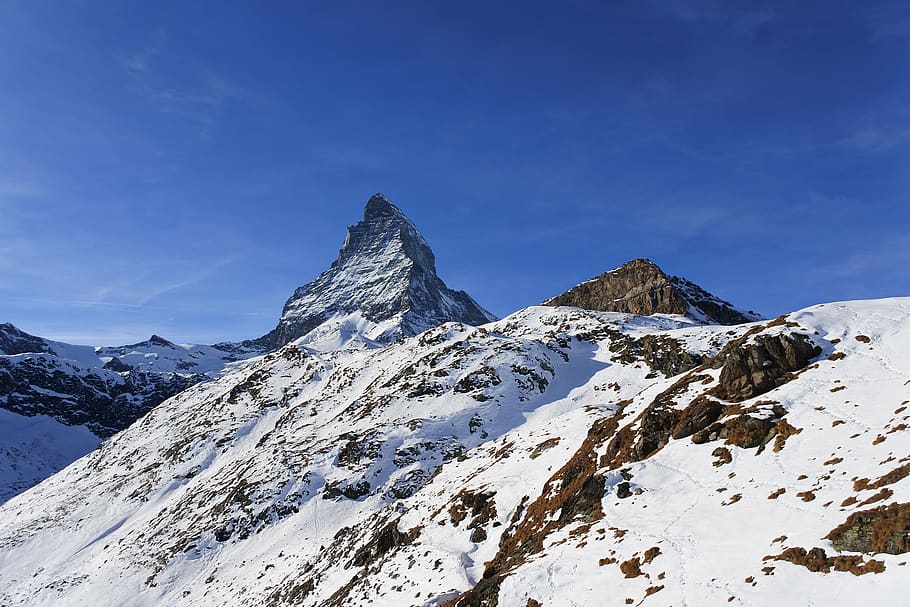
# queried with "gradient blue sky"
point(179, 168)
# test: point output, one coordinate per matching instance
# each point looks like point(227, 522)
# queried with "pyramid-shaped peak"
point(385, 233)
point(386, 273)
point(379, 207)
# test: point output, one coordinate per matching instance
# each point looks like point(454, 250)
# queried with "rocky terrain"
point(640, 287)
point(63, 399)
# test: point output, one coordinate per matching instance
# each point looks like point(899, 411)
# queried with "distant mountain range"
point(633, 441)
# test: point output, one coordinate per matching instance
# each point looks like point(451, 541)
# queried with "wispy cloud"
point(189, 280)
point(141, 60)
point(18, 189)
point(890, 22)
point(182, 86)
point(875, 139)
point(741, 20)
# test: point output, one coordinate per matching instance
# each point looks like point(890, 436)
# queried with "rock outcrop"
point(640, 287)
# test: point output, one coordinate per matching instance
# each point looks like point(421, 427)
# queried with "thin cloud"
point(890, 23)
point(10, 188)
point(181, 86)
point(875, 139)
point(141, 61)
point(709, 11)
point(192, 279)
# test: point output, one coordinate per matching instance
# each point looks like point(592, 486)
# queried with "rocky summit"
point(383, 284)
point(640, 287)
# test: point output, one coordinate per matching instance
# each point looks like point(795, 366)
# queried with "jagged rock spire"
point(386, 271)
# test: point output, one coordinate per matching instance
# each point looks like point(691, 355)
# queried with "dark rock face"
point(101, 399)
point(385, 269)
point(661, 353)
point(98, 388)
point(14, 341)
point(640, 287)
point(750, 366)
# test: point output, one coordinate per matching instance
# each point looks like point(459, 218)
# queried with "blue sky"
point(179, 170)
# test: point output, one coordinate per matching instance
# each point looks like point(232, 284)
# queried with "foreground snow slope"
point(555, 457)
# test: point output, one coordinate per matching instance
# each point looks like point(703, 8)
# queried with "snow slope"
point(33, 448)
point(555, 457)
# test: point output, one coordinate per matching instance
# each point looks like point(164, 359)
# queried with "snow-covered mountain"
point(555, 457)
point(64, 398)
point(382, 286)
point(640, 287)
point(58, 400)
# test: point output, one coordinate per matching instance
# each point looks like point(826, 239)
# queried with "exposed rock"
point(115, 364)
point(640, 287)
point(817, 560)
point(575, 491)
point(384, 542)
point(752, 368)
point(15, 341)
point(659, 352)
point(101, 399)
point(885, 529)
point(747, 431)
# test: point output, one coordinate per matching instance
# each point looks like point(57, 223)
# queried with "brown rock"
point(640, 287)
point(883, 529)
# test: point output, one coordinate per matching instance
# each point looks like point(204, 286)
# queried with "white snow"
point(218, 496)
point(33, 448)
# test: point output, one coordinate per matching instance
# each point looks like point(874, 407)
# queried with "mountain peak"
point(385, 274)
point(641, 287)
point(386, 231)
point(380, 207)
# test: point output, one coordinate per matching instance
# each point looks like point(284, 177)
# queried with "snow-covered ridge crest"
point(386, 271)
